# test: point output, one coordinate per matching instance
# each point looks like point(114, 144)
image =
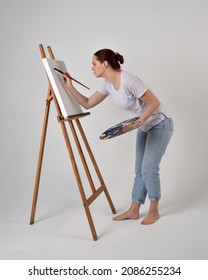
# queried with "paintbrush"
point(71, 78)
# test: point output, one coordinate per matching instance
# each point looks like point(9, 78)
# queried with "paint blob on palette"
point(120, 128)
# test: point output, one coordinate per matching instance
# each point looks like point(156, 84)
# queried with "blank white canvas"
point(67, 103)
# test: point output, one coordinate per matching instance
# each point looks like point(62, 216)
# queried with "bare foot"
point(151, 218)
point(132, 213)
point(153, 214)
point(127, 215)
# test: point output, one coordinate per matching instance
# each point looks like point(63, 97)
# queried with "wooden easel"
point(71, 120)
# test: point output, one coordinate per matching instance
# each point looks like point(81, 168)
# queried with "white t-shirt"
point(127, 98)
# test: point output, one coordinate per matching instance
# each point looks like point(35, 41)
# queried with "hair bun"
point(119, 57)
point(113, 58)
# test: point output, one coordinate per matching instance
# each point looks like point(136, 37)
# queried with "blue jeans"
point(150, 148)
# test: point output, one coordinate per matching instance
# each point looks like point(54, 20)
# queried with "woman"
point(155, 127)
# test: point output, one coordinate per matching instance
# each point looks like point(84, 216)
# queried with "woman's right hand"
point(67, 80)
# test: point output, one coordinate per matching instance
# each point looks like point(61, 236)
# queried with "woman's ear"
point(105, 64)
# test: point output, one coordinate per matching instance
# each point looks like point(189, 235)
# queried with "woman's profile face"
point(97, 67)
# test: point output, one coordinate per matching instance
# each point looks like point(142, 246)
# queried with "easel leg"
point(79, 182)
point(95, 166)
point(79, 148)
point(40, 158)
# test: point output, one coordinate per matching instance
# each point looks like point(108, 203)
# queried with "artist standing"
point(155, 127)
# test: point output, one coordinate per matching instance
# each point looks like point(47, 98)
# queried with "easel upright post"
point(42, 146)
point(95, 192)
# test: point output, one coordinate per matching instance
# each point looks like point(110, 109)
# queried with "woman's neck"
point(114, 77)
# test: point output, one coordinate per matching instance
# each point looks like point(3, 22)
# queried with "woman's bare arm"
point(152, 104)
point(84, 101)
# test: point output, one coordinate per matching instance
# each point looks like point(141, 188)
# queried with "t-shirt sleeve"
point(103, 89)
point(138, 88)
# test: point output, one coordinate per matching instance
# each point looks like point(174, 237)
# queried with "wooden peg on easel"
point(71, 121)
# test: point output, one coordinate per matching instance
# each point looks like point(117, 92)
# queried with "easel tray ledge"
point(72, 117)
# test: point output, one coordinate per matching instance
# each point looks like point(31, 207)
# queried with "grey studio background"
point(165, 43)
